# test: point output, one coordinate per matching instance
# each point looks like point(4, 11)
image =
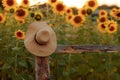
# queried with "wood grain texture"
point(86, 48)
point(42, 68)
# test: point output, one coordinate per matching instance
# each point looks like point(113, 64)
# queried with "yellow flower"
point(75, 10)
point(68, 11)
point(25, 3)
point(111, 26)
point(52, 2)
point(32, 14)
point(6, 12)
point(89, 11)
point(12, 10)
point(20, 22)
point(102, 19)
point(8, 4)
point(82, 11)
point(92, 4)
point(2, 18)
point(77, 20)
point(69, 18)
point(38, 16)
point(117, 14)
point(109, 22)
point(19, 34)
point(103, 13)
point(59, 8)
point(113, 12)
point(21, 13)
point(102, 27)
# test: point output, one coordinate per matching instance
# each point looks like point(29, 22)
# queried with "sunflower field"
point(89, 25)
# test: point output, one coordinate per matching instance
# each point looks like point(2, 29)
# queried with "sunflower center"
point(25, 1)
point(89, 11)
point(32, 14)
point(118, 14)
point(69, 17)
point(12, 10)
point(112, 28)
point(110, 24)
point(20, 12)
point(21, 21)
point(77, 19)
point(38, 17)
point(102, 19)
point(68, 11)
point(103, 26)
point(53, 1)
point(19, 34)
point(60, 7)
point(113, 10)
point(102, 13)
point(0, 18)
point(83, 12)
point(91, 3)
point(10, 2)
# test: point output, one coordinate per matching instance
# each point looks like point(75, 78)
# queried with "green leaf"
point(23, 63)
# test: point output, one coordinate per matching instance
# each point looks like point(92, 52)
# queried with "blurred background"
point(92, 23)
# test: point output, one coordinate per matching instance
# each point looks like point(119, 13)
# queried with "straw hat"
point(40, 39)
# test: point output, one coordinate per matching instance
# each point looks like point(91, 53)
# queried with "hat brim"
point(35, 48)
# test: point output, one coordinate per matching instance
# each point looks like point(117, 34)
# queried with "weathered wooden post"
point(41, 41)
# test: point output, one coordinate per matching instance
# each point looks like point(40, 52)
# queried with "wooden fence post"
point(42, 68)
point(41, 41)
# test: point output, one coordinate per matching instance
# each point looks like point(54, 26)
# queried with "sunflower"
point(92, 4)
point(113, 12)
point(69, 11)
point(25, 3)
point(32, 14)
point(103, 13)
point(59, 8)
point(109, 22)
point(38, 16)
point(12, 10)
point(102, 27)
point(6, 12)
point(2, 18)
point(77, 20)
point(89, 11)
point(20, 13)
point(69, 18)
point(52, 2)
point(112, 28)
point(117, 14)
point(20, 22)
point(102, 19)
point(8, 4)
point(19, 34)
point(82, 11)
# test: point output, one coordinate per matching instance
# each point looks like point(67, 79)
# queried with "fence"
point(42, 63)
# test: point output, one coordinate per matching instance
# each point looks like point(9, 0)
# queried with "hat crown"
point(42, 36)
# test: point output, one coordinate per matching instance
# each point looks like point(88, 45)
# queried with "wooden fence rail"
point(86, 48)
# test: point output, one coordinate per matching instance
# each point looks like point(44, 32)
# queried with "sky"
point(79, 3)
